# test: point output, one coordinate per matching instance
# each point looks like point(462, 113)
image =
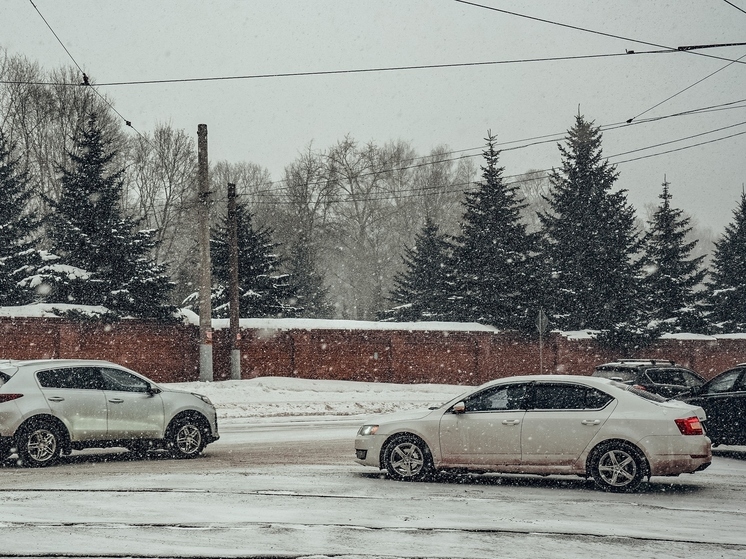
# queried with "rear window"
point(622, 375)
point(641, 393)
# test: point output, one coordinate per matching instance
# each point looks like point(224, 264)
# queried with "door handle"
point(56, 399)
point(116, 400)
point(591, 422)
point(511, 421)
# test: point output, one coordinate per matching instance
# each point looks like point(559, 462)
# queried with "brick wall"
point(170, 353)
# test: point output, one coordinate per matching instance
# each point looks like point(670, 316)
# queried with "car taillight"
point(639, 387)
point(690, 426)
point(9, 397)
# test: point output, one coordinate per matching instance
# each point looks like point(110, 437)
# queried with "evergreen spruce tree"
point(18, 257)
point(727, 289)
point(306, 283)
point(493, 260)
point(420, 291)
point(671, 300)
point(590, 242)
point(263, 290)
point(101, 260)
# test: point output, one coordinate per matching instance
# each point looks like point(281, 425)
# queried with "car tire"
point(39, 444)
point(617, 467)
point(407, 458)
point(186, 438)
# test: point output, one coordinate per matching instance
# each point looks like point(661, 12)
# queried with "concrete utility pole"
point(235, 333)
point(205, 266)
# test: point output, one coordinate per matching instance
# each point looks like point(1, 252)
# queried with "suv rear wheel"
point(39, 444)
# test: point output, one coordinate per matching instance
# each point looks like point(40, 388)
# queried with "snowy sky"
point(269, 120)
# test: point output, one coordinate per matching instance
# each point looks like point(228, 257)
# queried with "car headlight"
point(366, 430)
point(205, 399)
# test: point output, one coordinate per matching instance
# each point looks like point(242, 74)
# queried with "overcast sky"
point(270, 120)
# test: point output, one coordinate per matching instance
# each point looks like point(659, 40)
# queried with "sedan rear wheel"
point(407, 458)
point(617, 467)
point(39, 445)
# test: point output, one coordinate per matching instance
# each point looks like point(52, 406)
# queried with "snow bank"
point(283, 397)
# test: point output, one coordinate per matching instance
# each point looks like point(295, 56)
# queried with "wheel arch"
point(402, 433)
point(617, 441)
point(52, 420)
point(194, 415)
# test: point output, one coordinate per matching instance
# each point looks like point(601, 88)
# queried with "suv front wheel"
point(186, 438)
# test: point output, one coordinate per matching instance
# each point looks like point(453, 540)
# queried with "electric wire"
point(736, 7)
point(592, 31)
point(86, 82)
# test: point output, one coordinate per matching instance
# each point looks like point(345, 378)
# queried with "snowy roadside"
point(288, 397)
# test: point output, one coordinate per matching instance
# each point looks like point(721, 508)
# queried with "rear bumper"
point(674, 455)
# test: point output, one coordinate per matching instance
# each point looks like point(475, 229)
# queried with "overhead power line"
point(736, 7)
point(376, 69)
point(592, 31)
point(685, 89)
point(86, 81)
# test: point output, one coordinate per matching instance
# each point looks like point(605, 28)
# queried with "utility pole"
point(235, 333)
point(205, 266)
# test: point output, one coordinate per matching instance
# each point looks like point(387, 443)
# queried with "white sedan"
point(543, 424)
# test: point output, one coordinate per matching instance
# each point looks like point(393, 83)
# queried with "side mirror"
point(153, 390)
point(458, 407)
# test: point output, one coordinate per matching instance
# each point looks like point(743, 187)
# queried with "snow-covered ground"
point(282, 397)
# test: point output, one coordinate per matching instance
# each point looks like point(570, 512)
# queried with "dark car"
point(658, 376)
point(724, 401)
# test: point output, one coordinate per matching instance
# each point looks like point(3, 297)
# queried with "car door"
point(76, 396)
point(488, 431)
point(134, 410)
point(724, 402)
point(561, 421)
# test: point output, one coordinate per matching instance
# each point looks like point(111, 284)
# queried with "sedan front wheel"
point(407, 458)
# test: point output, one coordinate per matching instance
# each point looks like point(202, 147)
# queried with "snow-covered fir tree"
point(590, 241)
point(306, 282)
point(420, 290)
point(18, 226)
point(493, 257)
point(101, 257)
point(263, 290)
point(726, 289)
point(671, 278)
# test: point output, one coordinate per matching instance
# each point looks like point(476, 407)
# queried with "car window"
point(622, 375)
point(497, 398)
point(665, 376)
point(691, 380)
point(77, 378)
point(123, 381)
point(723, 383)
point(549, 396)
point(4, 378)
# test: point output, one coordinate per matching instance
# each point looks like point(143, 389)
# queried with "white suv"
point(54, 406)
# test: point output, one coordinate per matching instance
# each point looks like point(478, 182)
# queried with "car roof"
point(635, 363)
point(583, 379)
point(41, 363)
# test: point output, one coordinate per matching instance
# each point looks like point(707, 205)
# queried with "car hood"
point(400, 416)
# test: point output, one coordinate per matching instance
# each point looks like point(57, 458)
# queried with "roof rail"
point(652, 361)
